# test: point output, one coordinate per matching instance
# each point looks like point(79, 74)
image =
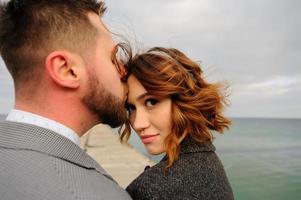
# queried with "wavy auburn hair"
point(197, 105)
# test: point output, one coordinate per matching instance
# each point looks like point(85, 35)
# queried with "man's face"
point(105, 94)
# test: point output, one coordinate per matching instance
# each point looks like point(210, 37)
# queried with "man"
point(59, 54)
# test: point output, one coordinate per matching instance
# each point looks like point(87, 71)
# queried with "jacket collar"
point(23, 136)
point(188, 145)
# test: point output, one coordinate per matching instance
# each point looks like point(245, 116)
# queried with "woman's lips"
point(146, 139)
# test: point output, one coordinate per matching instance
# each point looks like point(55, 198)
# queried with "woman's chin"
point(154, 152)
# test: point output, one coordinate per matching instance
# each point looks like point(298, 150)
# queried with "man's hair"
point(197, 106)
point(31, 29)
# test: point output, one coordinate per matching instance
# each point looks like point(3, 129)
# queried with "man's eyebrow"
point(113, 55)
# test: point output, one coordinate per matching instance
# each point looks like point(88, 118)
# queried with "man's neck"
point(73, 118)
point(21, 116)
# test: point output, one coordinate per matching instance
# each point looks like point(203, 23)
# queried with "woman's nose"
point(141, 120)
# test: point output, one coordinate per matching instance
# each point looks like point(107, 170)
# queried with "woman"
point(173, 110)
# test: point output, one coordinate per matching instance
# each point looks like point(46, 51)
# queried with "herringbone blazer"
point(37, 163)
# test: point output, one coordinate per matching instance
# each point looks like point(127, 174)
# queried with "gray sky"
point(252, 44)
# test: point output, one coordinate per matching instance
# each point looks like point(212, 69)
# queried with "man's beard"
point(109, 108)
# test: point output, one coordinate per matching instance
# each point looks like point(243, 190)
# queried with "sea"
point(262, 157)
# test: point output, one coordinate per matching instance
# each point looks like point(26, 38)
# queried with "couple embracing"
point(67, 79)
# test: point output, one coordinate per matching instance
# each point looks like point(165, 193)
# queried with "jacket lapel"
point(16, 135)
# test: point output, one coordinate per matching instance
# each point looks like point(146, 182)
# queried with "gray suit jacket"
point(36, 163)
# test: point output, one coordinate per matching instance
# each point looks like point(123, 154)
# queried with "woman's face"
point(149, 116)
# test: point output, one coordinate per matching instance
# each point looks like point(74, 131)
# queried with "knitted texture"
point(197, 174)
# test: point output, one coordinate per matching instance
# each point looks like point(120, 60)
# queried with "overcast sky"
point(253, 44)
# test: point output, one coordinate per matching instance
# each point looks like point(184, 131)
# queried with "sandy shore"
point(122, 162)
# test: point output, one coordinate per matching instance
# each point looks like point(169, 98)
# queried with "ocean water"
point(262, 158)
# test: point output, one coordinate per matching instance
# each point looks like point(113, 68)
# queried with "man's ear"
point(63, 69)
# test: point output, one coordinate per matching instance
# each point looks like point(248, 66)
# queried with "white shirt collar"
point(30, 118)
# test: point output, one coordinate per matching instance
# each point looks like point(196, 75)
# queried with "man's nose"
point(126, 90)
point(122, 71)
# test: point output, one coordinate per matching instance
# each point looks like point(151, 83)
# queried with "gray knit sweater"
point(197, 174)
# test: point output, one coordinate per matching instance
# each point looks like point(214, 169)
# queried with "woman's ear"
point(63, 68)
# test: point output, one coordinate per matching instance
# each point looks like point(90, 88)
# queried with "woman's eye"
point(151, 102)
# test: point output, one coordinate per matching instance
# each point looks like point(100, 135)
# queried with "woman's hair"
point(196, 104)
